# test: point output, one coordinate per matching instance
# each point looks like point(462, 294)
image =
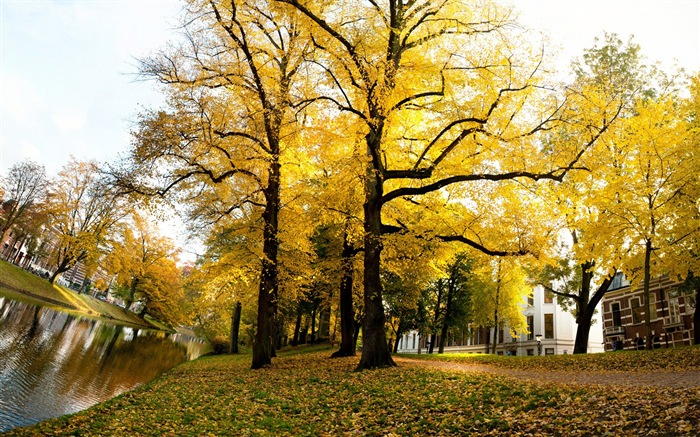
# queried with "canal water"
point(53, 363)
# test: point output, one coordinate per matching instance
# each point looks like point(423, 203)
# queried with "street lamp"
point(538, 337)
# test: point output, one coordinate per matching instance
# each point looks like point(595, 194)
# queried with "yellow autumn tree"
point(144, 266)
point(653, 168)
point(582, 262)
point(442, 93)
point(229, 128)
point(81, 208)
point(499, 297)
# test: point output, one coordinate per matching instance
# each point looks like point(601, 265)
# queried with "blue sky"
point(67, 84)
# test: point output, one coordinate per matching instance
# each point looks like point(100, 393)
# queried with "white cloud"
point(69, 121)
point(665, 30)
point(21, 102)
point(25, 149)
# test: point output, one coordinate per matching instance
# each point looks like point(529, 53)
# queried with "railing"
point(615, 330)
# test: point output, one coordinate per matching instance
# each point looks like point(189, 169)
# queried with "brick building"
point(671, 308)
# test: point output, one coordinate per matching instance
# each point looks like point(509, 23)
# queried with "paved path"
point(668, 379)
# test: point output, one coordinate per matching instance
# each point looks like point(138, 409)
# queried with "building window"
point(619, 281)
point(652, 305)
point(530, 327)
point(636, 304)
point(530, 300)
point(690, 303)
point(500, 335)
point(530, 352)
point(549, 326)
point(617, 318)
point(549, 351)
point(674, 311)
point(548, 296)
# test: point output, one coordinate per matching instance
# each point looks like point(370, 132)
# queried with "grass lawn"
point(18, 284)
point(309, 394)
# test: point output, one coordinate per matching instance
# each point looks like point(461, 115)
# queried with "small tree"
point(24, 190)
point(81, 208)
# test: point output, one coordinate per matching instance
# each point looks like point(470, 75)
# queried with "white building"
point(545, 318)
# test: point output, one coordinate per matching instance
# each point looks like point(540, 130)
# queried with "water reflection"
point(52, 363)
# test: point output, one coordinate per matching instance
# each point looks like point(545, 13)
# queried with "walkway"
point(668, 379)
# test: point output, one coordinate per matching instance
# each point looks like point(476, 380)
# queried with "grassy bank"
point(309, 394)
point(18, 284)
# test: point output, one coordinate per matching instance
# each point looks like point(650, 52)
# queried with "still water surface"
point(53, 363)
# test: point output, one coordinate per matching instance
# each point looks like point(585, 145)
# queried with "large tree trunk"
point(399, 333)
point(582, 308)
point(586, 310)
point(487, 332)
point(433, 340)
point(696, 317)
point(129, 300)
point(443, 338)
point(495, 310)
point(448, 314)
point(314, 307)
point(63, 267)
point(267, 294)
point(358, 326)
point(324, 322)
point(375, 350)
point(647, 305)
point(297, 326)
point(347, 313)
point(235, 327)
point(436, 317)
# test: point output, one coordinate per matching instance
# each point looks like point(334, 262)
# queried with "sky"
point(67, 67)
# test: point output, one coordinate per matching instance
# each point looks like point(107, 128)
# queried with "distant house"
point(671, 311)
point(35, 255)
point(544, 317)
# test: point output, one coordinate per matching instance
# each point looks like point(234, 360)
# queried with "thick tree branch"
point(555, 175)
point(480, 247)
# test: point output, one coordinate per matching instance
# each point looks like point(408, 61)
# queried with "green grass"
point(18, 284)
point(682, 358)
point(306, 393)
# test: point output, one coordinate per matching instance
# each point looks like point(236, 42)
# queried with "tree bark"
point(347, 313)
point(647, 304)
point(696, 317)
point(585, 314)
point(358, 326)
point(314, 307)
point(297, 326)
point(447, 320)
point(267, 294)
point(63, 267)
point(235, 327)
point(495, 310)
point(487, 332)
point(375, 350)
point(436, 317)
